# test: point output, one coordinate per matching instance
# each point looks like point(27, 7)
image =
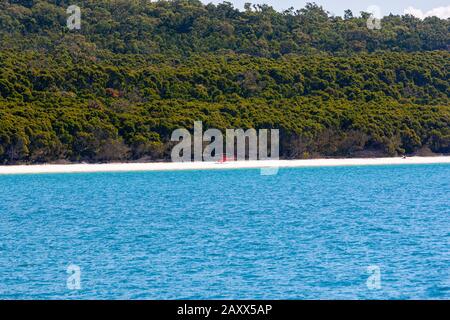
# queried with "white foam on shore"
point(172, 166)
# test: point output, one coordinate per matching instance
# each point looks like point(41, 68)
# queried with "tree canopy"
point(137, 70)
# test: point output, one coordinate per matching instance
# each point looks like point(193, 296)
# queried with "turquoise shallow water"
point(302, 234)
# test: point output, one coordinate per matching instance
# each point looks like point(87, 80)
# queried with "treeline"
point(56, 107)
point(137, 70)
point(309, 128)
point(187, 26)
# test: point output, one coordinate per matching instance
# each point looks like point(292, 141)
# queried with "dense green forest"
point(137, 70)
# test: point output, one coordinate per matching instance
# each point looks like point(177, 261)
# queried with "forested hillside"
point(137, 70)
point(187, 26)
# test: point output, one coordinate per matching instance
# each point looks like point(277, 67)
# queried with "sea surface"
point(306, 233)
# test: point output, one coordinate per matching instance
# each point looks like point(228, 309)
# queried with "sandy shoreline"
point(172, 166)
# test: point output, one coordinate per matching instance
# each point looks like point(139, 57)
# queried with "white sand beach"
point(165, 166)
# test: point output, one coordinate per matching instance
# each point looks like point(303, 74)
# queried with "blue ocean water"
point(305, 233)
